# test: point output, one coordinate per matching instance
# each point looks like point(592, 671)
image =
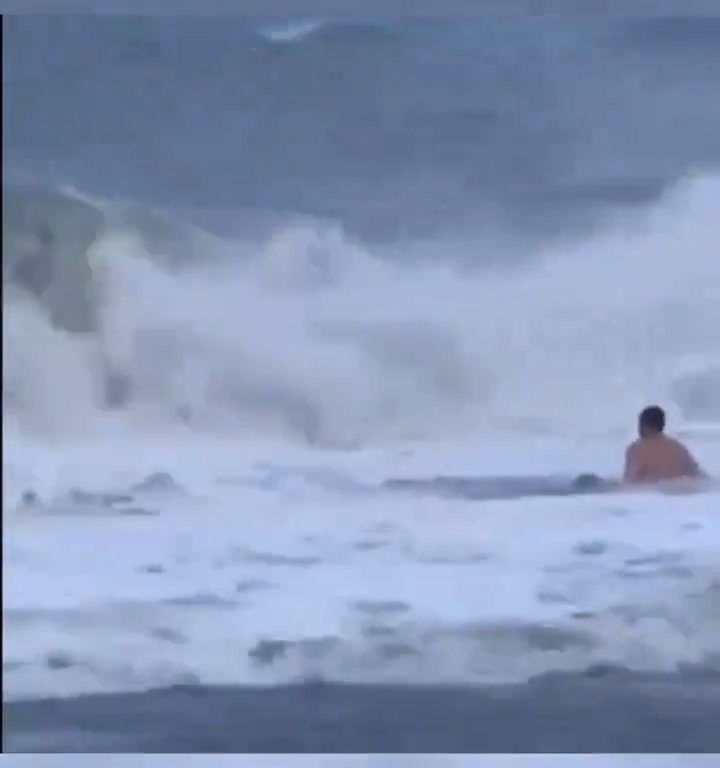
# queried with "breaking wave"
point(309, 333)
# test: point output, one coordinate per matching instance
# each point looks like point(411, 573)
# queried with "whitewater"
point(194, 464)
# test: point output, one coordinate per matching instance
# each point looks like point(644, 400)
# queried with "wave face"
point(360, 231)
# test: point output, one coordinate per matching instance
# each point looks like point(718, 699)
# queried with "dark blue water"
point(602, 711)
point(394, 127)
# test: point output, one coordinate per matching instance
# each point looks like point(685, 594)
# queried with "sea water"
point(253, 271)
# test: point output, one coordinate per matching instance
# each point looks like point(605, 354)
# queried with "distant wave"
point(357, 33)
point(291, 31)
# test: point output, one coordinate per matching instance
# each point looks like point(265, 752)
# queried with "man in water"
point(655, 457)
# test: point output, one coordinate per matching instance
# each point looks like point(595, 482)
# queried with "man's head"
point(651, 421)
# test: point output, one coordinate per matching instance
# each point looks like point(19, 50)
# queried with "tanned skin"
point(655, 457)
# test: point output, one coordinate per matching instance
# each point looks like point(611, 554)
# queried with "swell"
point(539, 122)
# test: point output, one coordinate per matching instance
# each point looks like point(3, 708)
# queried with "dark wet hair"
point(653, 417)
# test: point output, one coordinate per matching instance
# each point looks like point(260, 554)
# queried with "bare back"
point(658, 458)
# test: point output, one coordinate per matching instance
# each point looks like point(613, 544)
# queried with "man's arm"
point(692, 468)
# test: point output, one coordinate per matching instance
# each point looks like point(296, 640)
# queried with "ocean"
point(308, 325)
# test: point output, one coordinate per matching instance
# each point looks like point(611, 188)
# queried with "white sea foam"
point(268, 565)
